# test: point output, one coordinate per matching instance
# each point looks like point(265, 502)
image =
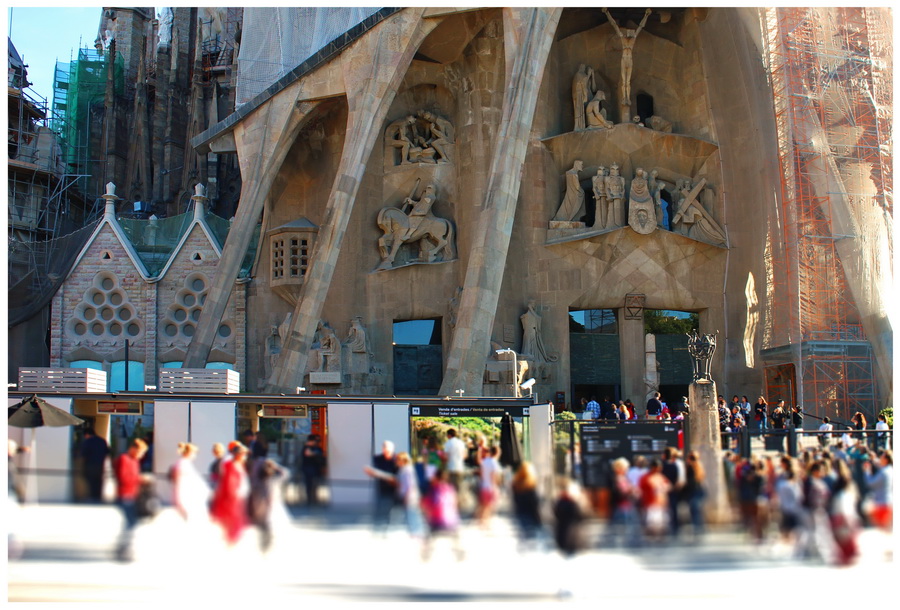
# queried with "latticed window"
point(291, 246)
point(277, 259)
point(299, 257)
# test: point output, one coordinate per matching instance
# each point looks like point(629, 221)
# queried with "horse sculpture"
point(431, 230)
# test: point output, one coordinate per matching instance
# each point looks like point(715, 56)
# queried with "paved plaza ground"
point(334, 557)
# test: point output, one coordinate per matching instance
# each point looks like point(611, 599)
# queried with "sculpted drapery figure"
point(615, 198)
point(599, 186)
point(356, 337)
point(627, 37)
point(692, 219)
point(582, 88)
point(441, 134)
point(399, 134)
point(532, 341)
point(656, 188)
point(596, 113)
point(329, 349)
point(574, 198)
point(641, 207)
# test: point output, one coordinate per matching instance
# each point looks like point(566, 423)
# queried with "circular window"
point(134, 330)
point(97, 329)
point(115, 329)
point(195, 314)
point(106, 313)
point(80, 328)
point(97, 298)
point(189, 300)
point(171, 330)
point(124, 314)
point(116, 298)
point(198, 285)
point(224, 331)
point(89, 313)
point(188, 330)
point(180, 315)
point(107, 283)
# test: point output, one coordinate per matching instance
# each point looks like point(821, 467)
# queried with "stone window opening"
point(644, 106)
point(290, 250)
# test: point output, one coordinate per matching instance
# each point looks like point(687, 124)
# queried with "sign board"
point(460, 411)
point(334, 377)
point(285, 411)
point(602, 443)
point(131, 407)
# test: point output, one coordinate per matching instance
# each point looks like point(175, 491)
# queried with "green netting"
point(154, 240)
point(77, 86)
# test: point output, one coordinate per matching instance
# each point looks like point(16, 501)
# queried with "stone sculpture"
point(615, 198)
point(656, 189)
point(166, 19)
point(573, 200)
point(420, 225)
point(641, 207)
point(692, 219)
point(399, 135)
point(582, 87)
point(532, 341)
point(595, 114)
point(701, 348)
point(627, 37)
point(329, 349)
point(356, 336)
point(599, 186)
point(441, 135)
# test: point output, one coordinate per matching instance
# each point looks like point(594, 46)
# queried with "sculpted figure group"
point(421, 138)
point(647, 209)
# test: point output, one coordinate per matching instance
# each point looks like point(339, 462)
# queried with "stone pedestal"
point(707, 442)
point(633, 358)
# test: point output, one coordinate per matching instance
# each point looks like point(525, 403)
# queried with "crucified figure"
point(628, 38)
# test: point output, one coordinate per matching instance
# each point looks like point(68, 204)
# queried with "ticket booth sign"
point(285, 411)
point(131, 407)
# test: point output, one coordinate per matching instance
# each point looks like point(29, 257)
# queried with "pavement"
point(330, 556)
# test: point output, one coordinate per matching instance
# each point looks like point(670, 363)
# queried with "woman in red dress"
point(229, 506)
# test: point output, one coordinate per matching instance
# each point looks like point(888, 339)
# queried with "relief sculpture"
point(421, 138)
point(434, 235)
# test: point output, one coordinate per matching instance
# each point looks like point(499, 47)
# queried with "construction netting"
point(78, 87)
point(831, 276)
point(276, 40)
point(38, 268)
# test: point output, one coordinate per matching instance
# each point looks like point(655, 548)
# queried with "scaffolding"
point(831, 81)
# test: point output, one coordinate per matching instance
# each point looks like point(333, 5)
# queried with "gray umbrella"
point(34, 412)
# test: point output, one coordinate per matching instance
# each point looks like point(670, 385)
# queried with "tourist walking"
point(265, 499)
point(526, 504)
point(312, 465)
point(441, 508)
point(127, 468)
point(229, 506)
point(695, 492)
point(624, 525)
point(190, 493)
point(94, 452)
point(761, 414)
point(384, 470)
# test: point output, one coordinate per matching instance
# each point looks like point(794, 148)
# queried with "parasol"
point(34, 412)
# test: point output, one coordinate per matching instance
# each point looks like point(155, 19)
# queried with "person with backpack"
point(441, 514)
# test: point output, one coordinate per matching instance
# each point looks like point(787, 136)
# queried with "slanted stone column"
point(706, 440)
point(373, 68)
point(529, 34)
point(263, 140)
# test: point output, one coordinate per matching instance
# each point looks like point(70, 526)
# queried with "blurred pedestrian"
point(312, 465)
point(859, 423)
point(190, 493)
point(526, 503)
point(761, 413)
point(789, 493)
point(128, 479)
point(265, 499)
point(384, 469)
point(825, 429)
point(455, 453)
point(441, 509)
point(695, 492)
point(409, 495)
point(215, 467)
point(816, 498)
point(674, 470)
point(489, 486)
point(881, 436)
point(624, 524)
point(94, 452)
point(654, 487)
point(229, 506)
point(845, 523)
point(568, 516)
point(880, 483)
point(15, 496)
point(750, 482)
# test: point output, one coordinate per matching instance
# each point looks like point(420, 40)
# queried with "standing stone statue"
point(641, 207)
point(398, 135)
point(599, 185)
point(628, 37)
point(356, 336)
point(615, 196)
point(329, 349)
point(582, 88)
point(656, 189)
point(532, 342)
point(574, 198)
point(595, 114)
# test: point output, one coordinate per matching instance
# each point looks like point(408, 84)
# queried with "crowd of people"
point(241, 489)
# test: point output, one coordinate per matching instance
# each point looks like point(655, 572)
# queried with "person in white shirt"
point(827, 426)
point(882, 434)
point(489, 489)
point(455, 454)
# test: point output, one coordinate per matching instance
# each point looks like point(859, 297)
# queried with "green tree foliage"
point(659, 322)
point(888, 416)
